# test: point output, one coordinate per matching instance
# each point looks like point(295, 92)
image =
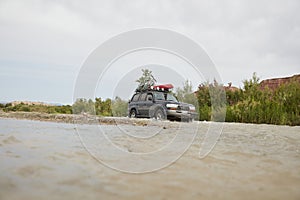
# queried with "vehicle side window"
point(136, 97)
point(149, 96)
point(143, 97)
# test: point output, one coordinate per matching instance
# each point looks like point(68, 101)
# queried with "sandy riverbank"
point(71, 118)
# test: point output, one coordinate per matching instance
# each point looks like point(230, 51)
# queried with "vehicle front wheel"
point(132, 114)
point(160, 115)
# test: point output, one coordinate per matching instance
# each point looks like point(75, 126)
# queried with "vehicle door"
point(142, 107)
point(148, 104)
point(134, 103)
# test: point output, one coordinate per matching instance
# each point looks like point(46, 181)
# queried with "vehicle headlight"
point(192, 108)
point(172, 106)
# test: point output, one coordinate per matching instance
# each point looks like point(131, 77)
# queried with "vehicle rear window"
point(136, 97)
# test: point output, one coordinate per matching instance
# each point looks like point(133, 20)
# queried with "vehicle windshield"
point(170, 97)
point(159, 96)
point(164, 96)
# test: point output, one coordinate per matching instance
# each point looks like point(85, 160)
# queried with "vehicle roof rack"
point(147, 87)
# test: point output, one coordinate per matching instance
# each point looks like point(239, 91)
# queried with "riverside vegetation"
point(254, 104)
point(250, 104)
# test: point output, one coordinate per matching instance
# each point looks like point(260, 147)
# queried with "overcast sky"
point(44, 43)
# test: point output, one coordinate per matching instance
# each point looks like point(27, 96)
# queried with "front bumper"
point(181, 114)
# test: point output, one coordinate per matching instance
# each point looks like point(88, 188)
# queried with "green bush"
point(256, 105)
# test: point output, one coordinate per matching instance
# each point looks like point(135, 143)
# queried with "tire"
point(160, 115)
point(132, 113)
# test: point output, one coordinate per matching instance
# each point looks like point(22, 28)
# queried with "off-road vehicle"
point(159, 103)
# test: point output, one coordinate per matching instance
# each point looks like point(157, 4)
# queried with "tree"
point(212, 101)
point(119, 107)
point(103, 108)
point(146, 80)
point(84, 106)
point(204, 101)
point(107, 107)
point(186, 94)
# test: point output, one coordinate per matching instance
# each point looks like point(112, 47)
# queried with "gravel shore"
point(72, 118)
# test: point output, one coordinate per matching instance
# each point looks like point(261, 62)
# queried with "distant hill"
point(276, 82)
point(14, 103)
point(230, 87)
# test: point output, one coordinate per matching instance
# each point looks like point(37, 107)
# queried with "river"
point(47, 160)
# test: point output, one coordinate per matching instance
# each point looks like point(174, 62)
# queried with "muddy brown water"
point(46, 160)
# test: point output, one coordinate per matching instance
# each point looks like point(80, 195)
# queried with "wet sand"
point(46, 160)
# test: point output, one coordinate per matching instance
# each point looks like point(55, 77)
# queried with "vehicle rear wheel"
point(132, 113)
point(160, 115)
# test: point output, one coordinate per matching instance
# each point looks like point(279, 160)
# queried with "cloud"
point(240, 36)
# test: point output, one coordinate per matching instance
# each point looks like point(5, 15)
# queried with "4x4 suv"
point(160, 105)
